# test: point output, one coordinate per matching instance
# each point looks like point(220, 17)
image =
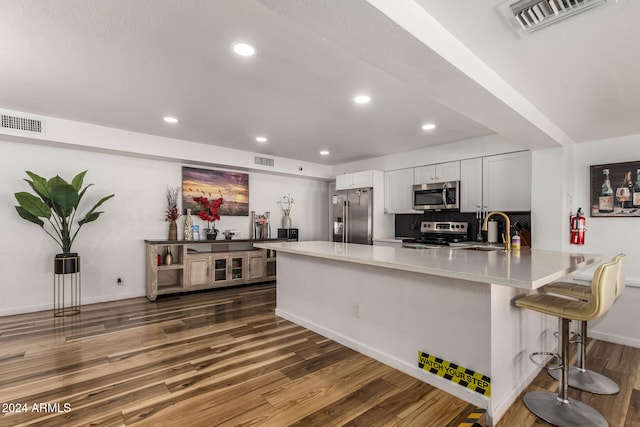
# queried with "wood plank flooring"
point(222, 358)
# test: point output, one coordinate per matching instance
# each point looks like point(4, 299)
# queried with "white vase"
point(188, 226)
point(286, 221)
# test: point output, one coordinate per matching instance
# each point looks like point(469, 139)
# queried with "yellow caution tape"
point(455, 373)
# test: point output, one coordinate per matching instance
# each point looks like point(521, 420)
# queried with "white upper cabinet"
point(398, 191)
point(470, 184)
point(506, 183)
point(354, 180)
point(440, 172)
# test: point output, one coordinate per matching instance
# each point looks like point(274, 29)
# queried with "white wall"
point(113, 246)
point(609, 236)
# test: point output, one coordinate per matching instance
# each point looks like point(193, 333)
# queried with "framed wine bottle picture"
point(615, 189)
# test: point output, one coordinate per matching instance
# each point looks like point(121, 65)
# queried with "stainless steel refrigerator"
point(353, 216)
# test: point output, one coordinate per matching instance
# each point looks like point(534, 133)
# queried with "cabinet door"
point(237, 265)
point(220, 269)
point(446, 172)
point(398, 191)
point(424, 174)
point(344, 181)
point(198, 271)
point(506, 183)
point(362, 179)
point(256, 265)
point(470, 185)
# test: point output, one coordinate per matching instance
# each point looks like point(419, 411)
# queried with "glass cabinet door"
point(219, 269)
point(237, 268)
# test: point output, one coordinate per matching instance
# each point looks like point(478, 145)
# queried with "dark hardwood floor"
point(222, 358)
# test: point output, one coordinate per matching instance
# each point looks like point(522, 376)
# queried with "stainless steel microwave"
point(439, 196)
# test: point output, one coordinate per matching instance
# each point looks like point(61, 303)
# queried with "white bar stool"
point(559, 409)
point(579, 376)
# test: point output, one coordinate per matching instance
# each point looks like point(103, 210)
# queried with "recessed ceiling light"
point(324, 152)
point(244, 49)
point(261, 139)
point(428, 126)
point(170, 119)
point(362, 99)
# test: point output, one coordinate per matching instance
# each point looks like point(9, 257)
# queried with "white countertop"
point(525, 268)
point(390, 239)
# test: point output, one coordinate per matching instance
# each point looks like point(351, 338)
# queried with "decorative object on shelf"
point(228, 234)
point(232, 186)
point(285, 204)
point(261, 227)
point(58, 203)
point(172, 212)
point(209, 213)
point(188, 226)
point(615, 190)
point(168, 258)
point(195, 230)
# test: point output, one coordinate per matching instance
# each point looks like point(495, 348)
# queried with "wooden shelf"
point(223, 263)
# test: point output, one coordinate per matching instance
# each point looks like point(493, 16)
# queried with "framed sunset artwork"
point(232, 186)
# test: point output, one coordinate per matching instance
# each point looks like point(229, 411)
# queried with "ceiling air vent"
point(264, 161)
point(531, 15)
point(21, 125)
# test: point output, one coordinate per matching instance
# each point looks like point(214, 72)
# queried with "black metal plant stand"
point(66, 285)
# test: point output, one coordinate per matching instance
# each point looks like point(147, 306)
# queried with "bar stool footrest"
point(590, 381)
point(573, 413)
point(548, 365)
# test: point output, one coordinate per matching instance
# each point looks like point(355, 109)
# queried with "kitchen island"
point(418, 310)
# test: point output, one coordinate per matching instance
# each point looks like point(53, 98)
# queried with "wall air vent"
point(17, 124)
point(264, 161)
point(532, 15)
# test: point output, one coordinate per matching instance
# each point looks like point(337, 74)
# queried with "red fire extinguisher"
point(578, 223)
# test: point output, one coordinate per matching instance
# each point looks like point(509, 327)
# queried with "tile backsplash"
point(408, 225)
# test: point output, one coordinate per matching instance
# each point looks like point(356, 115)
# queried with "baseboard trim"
point(615, 339)
point(382, 357)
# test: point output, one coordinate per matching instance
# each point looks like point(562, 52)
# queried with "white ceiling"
point(128, 63)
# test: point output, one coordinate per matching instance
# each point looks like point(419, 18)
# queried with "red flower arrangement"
point(209, 212)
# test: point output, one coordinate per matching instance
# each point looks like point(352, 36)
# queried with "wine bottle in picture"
point(605, 200)
point(623, 193)
point(636, 190)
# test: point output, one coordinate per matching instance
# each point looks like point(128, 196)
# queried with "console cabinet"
point(205, 264)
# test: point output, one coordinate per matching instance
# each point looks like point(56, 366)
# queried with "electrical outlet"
point(119, 281)
point(356, 310)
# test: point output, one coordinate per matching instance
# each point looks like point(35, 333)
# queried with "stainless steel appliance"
point(438, 233)
point(353, 216)
point(440, 196)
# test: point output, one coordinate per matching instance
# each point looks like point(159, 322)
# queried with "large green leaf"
point(90, 217)
point(65, 196)
point(33, 205)
point(31, 218)
point(77, 180)
point(97, 205)
point(40, 186)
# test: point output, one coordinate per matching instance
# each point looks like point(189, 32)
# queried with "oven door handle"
point(444, 195)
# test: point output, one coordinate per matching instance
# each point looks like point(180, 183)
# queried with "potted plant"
point(209, 213)
point(57, 201)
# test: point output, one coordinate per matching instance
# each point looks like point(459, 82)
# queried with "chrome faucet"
point(507, 240)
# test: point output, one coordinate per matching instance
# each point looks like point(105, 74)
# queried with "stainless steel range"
point(438, 233)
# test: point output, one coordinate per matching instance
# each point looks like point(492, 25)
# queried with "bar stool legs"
point(559, 409)
point(582, 378)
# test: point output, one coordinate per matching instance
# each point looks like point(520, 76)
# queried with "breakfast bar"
point(443, 315)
